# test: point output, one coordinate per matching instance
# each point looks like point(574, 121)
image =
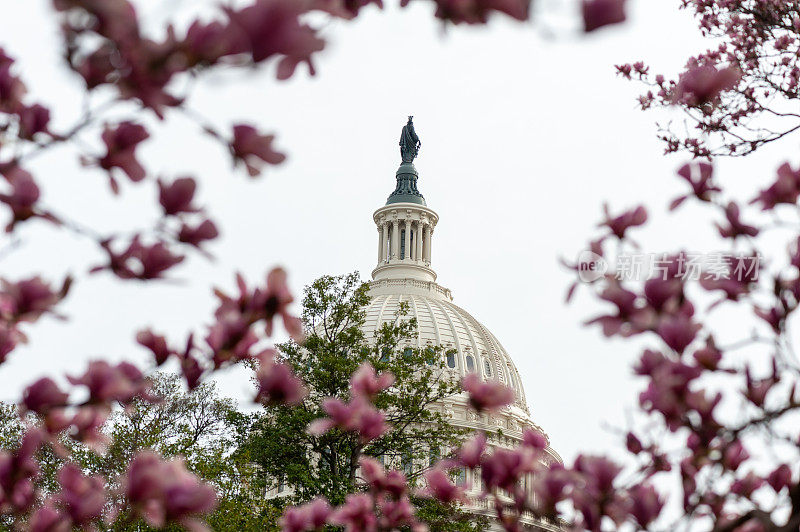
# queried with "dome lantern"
point(405, 224)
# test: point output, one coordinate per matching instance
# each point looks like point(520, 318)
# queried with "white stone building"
point(404, 273)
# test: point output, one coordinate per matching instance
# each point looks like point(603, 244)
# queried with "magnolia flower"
point(440, 487)
point(619, 225)
point(253, 149)
point(176, 197)
point(277, 384)
point(196, 235)
point(599, 13)
point(309, 516)
point(699, 175)
point(163, 492)
point(703, 84)
point(121, 142)
point(488, 395)
point(365, 382)
point(274, 27)
point(107, 383)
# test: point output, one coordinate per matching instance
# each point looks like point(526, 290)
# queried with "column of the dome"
point(384, 255)
point(427, 244)
point(395, 239)
point(380, 244)
point(407, 249)
point(418, 242)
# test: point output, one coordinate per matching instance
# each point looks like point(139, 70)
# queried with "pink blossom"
point(357, 416)
point(275, 300)
point(365, 382)
point(11, 87)
point(43, 396)
point(196, 235)
point(208, 42)
point(395, 513)
point(551, 487)
point(87, 424)
point(784, 190)
point(140, 261)
point(346, 9)
point(633, 444)
point(9, 338)
point(18, 470)
point(440, 487)
point(534, 439)
point(703, 84)
point(230, 338)
point(709, 356)
point(599, 13)
point(488, 395)
point(309, 516)
point(176, 197)
point(780, 478)
point(678, 331)
point(23, 197)
point(273, 28)
point(107, 383)
point(471, 452)
point(83, 497)
point(630, 316)
point(157, 344)
point(121, 143)
point(49, 519)
point(33, 120)
point(505, 467)
point(165, 492)
point(699, 175)
point(277, 384)
point(392, 482)
point(28, 299)
point(734, 455)
point(735, 227)
point(478, 11)
point(619, 225)
point(356, 514)
point(253, 149)
point(645, 504)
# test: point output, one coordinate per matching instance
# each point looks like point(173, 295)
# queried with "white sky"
point(523, 139)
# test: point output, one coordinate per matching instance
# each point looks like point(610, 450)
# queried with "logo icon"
point(591, 266)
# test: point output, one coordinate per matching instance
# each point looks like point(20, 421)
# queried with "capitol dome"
point(470, 345)
point(403, 274)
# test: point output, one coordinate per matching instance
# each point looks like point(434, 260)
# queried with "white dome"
point(442, 323)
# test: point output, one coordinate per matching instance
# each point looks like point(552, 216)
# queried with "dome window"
point(470, 364)
point(451, 360)
point(407, 352)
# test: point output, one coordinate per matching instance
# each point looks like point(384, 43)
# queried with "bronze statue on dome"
point(409, 142)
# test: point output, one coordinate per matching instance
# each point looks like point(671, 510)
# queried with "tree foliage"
point(313, 465)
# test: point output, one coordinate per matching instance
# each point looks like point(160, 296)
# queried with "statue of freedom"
point(409, 142)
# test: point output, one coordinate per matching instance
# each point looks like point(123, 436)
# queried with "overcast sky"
point(523, 138)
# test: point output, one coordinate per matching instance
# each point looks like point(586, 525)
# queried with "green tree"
point(327, 465)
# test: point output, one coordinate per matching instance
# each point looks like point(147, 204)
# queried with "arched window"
point(407, 352)
point(470, 364)
point(451, 360)
point(487, 367)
